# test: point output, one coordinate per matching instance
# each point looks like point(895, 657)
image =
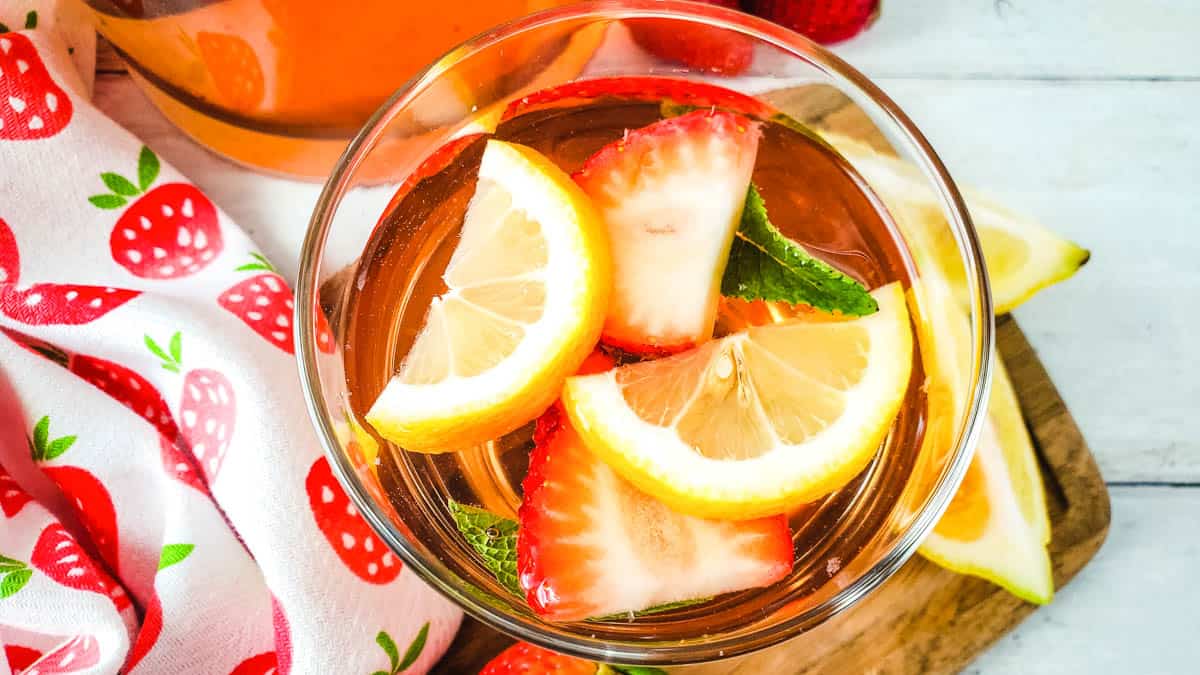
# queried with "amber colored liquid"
point(812, 195)
point(234, 73)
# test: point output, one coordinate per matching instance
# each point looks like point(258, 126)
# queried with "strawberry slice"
point(651, 89)
point(169, 232)
point(351, 538)
point(77, 654)
point(590, 544)
point(526, 659)
point(672, 195)
point(696, 45)
point(12, 497)
point(262, 664)
point(265, 304)
point(234, 68)
point(57, 555)
point(32, 105)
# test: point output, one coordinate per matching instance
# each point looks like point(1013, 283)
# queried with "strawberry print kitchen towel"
point(164, 505)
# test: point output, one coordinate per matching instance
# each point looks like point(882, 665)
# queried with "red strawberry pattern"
point(179, 467)
point(207, 408)
point(12, 497)
point(263, 664)
point(32, 105)
point(351, 538)
point(283, 637)
point(10, 259)
point(128, 388)
point(79, 653)
point(57, 555)
point(265, 304)
point(168, 232)
point(20, 658)
point(94, 506)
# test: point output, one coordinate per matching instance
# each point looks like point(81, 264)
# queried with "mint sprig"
point(494, 538)
point(766, 265)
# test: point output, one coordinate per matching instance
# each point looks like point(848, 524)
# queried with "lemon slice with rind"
point(527, 291)
point(755, 422)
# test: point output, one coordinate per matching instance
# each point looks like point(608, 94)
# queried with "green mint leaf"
point(13, 582)
point(41, 435)
point(765, 265)
point(176, 347)
point(174, 553)
point(107, 201)
point(414, 649)
point(58, 446)
point(31, 20)
point(119, 184)
point(388, 645)
point(147, 168)
point(494, 538)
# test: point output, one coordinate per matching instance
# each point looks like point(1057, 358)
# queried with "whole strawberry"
point(824, 21)
point(32, 106)
point(168, 232)
point(526, 659)
point(695, 45)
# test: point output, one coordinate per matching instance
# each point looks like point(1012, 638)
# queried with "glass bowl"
point(403, 495)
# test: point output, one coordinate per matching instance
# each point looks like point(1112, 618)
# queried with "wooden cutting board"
point(925, 619)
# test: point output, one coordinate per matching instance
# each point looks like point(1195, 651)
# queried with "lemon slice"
point(527, 292)
point(756, 422)
point(997, 526)
point(1022, 256)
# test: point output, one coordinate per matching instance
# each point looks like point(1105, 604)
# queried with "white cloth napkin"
point(164, 505)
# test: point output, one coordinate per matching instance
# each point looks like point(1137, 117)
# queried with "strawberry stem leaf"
point(31, 19)
point(13, 582)
point(168, 363)
point(414, 649)
point(58, 446)
point(148, 167)
point(173, 554)
point(119, 184)
point(107, 201)
point(388, 645)
point(41, 434)
point(260, 264)
point(8, 564)
point(176, 347)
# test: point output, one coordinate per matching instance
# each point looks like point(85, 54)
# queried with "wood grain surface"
point(924, 619)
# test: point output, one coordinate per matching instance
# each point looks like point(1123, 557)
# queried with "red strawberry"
point(148, 635)
point(283, 637)
point(32, 106)
point(10, 258)
point(526, 659)
point(349, 535)
point(168, 232)
point(128, 388)
point(79, 653)
point(20, 658)
point(696, 45)
point(671, 195)
point(655, 89)
point(93, 505)
point(590, 544)
point(262, 664)
point(265, 304)
point(825, 21)
point(61, 558)
point(61, 304)
point(177, 465)
point(12, 497)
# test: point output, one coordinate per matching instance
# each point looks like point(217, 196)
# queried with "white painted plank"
point(1030, 38)
point(1113, 166)
point(1134, 609)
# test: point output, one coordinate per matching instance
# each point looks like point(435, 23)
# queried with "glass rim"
point(711, 648)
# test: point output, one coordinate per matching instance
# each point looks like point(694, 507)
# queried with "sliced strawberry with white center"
point(351, 538)
point(672, 195)
point(78, 654)
point(57, 555)
point(590, 544)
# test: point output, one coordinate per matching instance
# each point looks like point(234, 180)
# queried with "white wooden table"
point(1085, 114)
